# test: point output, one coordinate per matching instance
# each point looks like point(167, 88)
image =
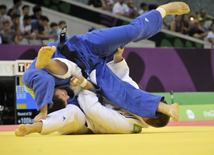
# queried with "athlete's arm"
point(81, 81)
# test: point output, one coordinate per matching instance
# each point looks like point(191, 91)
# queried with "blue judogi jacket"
point(94, 49)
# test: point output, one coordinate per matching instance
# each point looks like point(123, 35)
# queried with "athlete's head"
point(59, 99)
point(161, 121)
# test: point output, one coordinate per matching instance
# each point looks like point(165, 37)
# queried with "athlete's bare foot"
point(174, 112)
point(44, 56)
point(26, 129)
point(177, 8)
point(22, 130)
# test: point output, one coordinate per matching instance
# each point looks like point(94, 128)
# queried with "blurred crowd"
point(197, 25)
point(17, 26)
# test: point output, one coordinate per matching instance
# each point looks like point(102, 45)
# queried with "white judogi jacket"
point(100, 118)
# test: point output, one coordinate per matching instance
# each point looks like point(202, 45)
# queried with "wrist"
point(84, 83)
point(44, 109)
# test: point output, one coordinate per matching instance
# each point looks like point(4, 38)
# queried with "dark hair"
point(91, 29)
point(3, 6)
point(58, 104)
point(62, 22)
point(152, 6)
point(143, 4)
point(161, 121)
point(53, 24)
point(25, 6)
point(36, 8)
point(15, 16)
point(10, 11)
point(16, 1)
point(44, 18)
point(26, 17)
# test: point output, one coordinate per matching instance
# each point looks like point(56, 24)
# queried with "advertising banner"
point(14, 52)
point(163, 70)
point(26, 108)
point(196, 112)
point(22, 66)
point(7, 68)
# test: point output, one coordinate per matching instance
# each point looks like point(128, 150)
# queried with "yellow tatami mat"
point(164, 141)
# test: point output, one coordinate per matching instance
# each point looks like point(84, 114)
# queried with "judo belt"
point(71, 55)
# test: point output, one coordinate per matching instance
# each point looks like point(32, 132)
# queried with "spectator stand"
point(78, 23)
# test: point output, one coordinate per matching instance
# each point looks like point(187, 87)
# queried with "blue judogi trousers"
point(94, 49)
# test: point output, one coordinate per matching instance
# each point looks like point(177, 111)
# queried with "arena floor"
point(186, 138)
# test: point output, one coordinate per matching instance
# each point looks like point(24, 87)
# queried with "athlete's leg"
point(69, 120)
point(41, 85)
point(121, 69)
point(37, 80)
point(105, 42)
point(44, 61)
point(126, 96)
point(102, 119)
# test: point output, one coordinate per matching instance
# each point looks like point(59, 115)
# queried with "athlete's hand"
point(120, 51)
point(41, 115)
point(76, 80)
point(119, 55)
